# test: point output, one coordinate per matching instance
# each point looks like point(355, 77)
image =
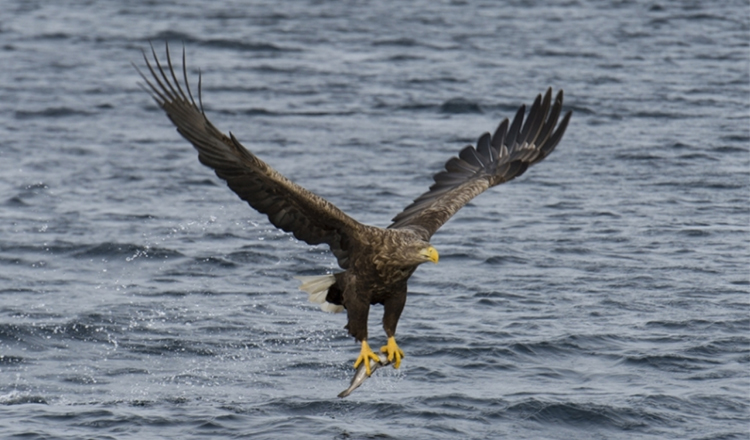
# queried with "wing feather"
point(496, 159)
point(288, 206)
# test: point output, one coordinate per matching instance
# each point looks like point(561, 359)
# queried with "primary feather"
point(288, 206)
point(496, 159)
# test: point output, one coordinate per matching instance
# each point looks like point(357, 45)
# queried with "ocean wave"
point(460, 105)
point(124, 251)
point(21, 398)
point(50, 112)
point(586, 415)
point(217, 43)
point(671, 362)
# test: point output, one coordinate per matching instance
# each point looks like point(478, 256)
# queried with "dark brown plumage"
point(377, 262)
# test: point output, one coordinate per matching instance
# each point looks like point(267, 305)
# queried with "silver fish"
point(361, 375)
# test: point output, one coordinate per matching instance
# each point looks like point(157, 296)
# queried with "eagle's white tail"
point(317, 288)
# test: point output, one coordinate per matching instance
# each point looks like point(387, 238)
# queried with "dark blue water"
point(603, 295)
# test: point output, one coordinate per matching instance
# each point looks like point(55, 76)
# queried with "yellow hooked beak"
point(431, 254)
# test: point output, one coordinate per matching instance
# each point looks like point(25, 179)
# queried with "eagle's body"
point(377, 262)
point(381, 269)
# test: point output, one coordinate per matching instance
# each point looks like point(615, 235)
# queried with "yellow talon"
point(393, 352)
point(365, 355)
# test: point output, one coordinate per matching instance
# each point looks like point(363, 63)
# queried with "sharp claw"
point(364, 356)
point(393, 352)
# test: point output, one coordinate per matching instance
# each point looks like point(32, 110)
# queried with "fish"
point(361, 375)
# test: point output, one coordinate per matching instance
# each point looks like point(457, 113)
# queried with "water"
point(602, 295)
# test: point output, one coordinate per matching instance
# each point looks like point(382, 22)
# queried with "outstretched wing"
point(288, 206)
point(495, 160)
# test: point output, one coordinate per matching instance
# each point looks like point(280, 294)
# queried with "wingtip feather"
point(512, 148)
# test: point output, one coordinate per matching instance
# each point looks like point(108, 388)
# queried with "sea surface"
point(605, 294)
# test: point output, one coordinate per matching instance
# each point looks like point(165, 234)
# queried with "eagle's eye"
point(430, 254)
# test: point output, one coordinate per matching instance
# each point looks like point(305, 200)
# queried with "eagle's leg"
point(357, 309)
point(393, 308)
point(395, 354)
point(365, 355)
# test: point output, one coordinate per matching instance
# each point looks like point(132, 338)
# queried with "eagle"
point(376, 262)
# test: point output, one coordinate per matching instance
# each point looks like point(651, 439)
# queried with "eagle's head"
point(404, 249)
point(420, 252)
point(429, 253)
